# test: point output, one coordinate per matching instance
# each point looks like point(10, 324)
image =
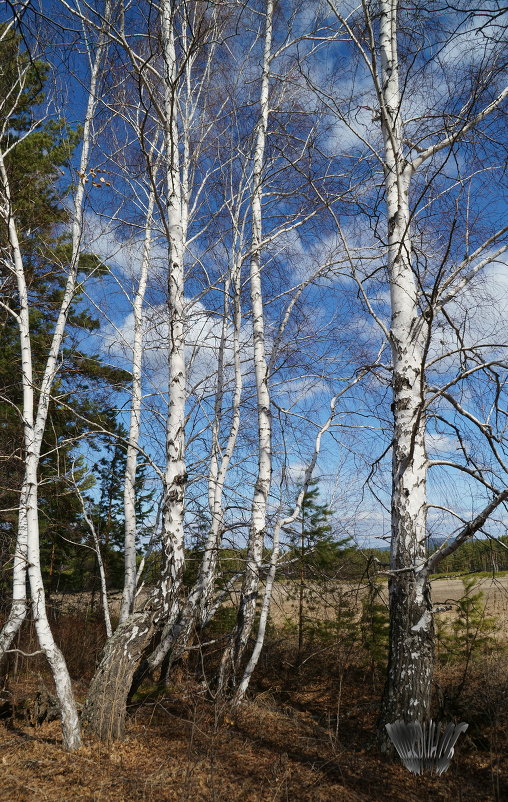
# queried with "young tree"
point(249, 592)
point(315, 549)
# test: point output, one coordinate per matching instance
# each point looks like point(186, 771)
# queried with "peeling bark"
point(106, 705)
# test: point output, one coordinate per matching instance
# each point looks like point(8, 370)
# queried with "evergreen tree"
point(472, 633)
point(375, 625)
point(107, 507)
point(315, 551)
point(37, 164)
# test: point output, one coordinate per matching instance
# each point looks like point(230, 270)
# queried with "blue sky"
point(324, 141)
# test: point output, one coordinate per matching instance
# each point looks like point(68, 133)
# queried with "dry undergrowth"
point(307, 733)
point(282, 745)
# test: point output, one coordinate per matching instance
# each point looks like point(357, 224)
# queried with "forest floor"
point(307, 732)
point(182, 748)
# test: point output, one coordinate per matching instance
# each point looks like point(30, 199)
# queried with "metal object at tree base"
point(425, 747)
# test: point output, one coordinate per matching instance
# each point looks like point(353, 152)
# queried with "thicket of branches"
point(244, 245)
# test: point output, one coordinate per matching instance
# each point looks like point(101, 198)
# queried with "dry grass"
point(444, 591)
point(306, 734)
point(185, 748)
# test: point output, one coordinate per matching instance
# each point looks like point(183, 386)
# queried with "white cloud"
point(202, 341)
point(436, 442)
point(480, 313)
point(476, 40)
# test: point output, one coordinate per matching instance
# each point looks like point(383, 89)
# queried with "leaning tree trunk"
point(279, 526)
point(106, 705)
point(408, 688)
point(33, 431)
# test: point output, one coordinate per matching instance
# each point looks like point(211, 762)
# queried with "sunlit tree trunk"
point(33, 428)
point(19, 608)
point(129, 590)
point(267, 596)
point(175, 475)
point(196, 608)
point(105, 706)
point(408, 689)
point(123, 653)
point(413, 309)
point(250, 585)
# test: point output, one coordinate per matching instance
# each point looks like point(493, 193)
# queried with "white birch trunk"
point(100, 564)
point(19, 606)
point(29, 517)
point(250, 585)
point(218, 473)
point(175, 474)
point(35, 422)
point(281, 522)
point(408, 689)
point(196, 608)
point(105, 707)
point(129, 590)
point(18, 610)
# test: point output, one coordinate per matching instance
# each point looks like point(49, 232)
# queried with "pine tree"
point(37, 167)
point(375, 625)
point(315, 551)
point(472, 633)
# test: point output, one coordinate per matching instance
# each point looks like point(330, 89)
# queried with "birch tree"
point(249, 592)
point(280, 525)
point(176, 96)
point(130, 575)
point(35, 411)
point(425, 288)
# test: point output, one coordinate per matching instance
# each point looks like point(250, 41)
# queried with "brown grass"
point(185, 748)
point(307, 732)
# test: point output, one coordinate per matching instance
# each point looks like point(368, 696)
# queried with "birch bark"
point(34, 421)
point(19, 608)
point(129, 590)
point(196, 609)
point(175, 475)
point(250, 584)
point(102, 574)
point(105, 708)
point(267, 596)
point(408, 688)
point(29, 517)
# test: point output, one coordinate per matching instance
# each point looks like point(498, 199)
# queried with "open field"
point(445, 590)
point(495, 590)
point(327, 596)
